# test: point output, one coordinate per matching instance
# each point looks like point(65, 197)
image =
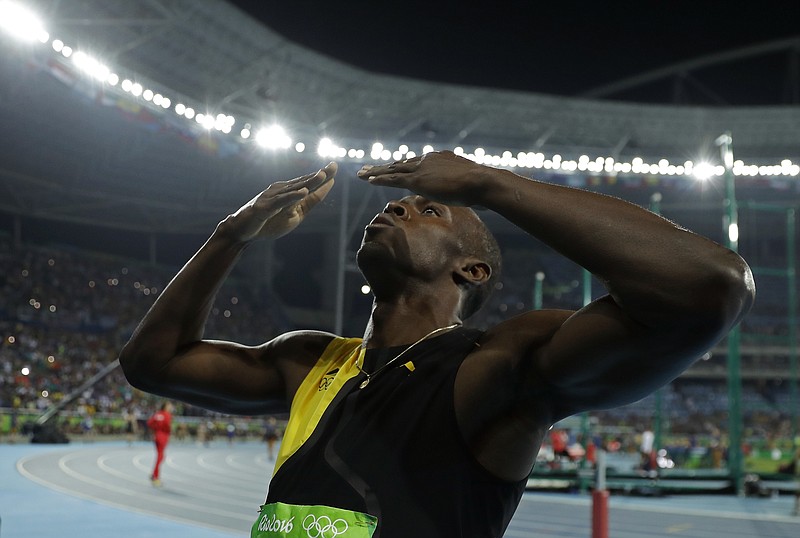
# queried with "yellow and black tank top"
point(392, 449)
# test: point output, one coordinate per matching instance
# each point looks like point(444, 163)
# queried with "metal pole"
point(600, 499)
point(537, 291)
point(341, 265)
point(655, 207)
point(583, 483)
point(791, 275)
point(731, 229)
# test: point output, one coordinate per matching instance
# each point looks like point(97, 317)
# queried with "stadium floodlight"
point(245, 133)
point(189, 113)
point(147, 95)
point(113, 79)
point(57, 45)
point(158, 99)
point(733, 232)
point(180, 108)
point(275, 137)
point(136, 89)
point(66, 51)
point(428, 148)
point(127, 85)
point(21, 22)
point(165, 103)
point(409, 155)
point(299, 147)
point(703, 171)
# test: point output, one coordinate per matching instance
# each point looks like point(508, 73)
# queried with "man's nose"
point(397, 208)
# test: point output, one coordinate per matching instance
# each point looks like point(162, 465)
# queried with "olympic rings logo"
point(323, 526)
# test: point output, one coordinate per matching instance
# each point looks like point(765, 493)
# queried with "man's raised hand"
point(279, 208)
point(441, 176)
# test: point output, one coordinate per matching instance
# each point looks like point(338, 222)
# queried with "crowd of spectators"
point(65, 314)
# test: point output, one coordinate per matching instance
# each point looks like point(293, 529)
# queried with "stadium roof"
point(84, 154)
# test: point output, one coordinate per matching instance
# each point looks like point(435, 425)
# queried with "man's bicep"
point(214, 374)
point(600, 358)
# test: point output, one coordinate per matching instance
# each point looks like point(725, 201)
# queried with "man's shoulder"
point(525, 330)
point(304, 341)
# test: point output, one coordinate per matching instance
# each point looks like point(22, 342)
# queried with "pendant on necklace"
point(364, 383)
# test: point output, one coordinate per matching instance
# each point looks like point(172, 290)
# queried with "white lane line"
point(194, 491)
point(75, 493)
point(245, 490)
point(62, 464)
point(663, 509)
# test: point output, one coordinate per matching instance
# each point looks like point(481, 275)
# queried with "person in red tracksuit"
point(161, 426)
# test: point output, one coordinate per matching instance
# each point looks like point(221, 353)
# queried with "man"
point(160, 423)
point(425, 428)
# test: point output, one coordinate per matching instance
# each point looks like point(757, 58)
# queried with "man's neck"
point(404, 322)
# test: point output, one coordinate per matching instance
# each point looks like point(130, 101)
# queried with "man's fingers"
point(310, 181)
point(408, 165)
point(316, 197)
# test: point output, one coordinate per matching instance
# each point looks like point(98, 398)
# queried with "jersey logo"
point(327, 379)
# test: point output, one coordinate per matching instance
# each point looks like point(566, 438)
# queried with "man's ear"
point(473, 272)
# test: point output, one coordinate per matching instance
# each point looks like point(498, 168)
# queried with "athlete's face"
point(415, 236)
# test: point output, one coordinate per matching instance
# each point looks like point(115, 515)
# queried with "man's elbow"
point(735, 291)
point(130, 362)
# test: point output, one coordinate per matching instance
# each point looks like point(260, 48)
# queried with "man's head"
point(416, 241)
point(480, 243)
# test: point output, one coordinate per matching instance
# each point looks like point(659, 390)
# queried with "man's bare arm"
point(167, 354)
point(672, 293)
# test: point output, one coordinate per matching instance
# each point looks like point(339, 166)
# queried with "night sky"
point(565, 47)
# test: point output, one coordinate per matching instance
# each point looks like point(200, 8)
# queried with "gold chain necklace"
point(406, 350)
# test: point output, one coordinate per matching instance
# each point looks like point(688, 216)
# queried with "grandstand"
point(108, 190)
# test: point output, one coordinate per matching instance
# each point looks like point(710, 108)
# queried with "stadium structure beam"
point(691, 65)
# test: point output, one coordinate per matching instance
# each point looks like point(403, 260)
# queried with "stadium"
point(132, 128)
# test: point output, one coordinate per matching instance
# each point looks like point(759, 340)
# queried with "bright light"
point(21, 23)
point(45, 394)
point(136, 89)
point(147, 95)
point(365, 289)
point(58, 45)
point(703, 171)
point(397, 155)
point(299, 147)
point(90, 65)
point(403, 148)
point(733, 232)
point(25, 370)
point(113, 79)
point(165, 103)
point(428, 148)
point(158, 99)
point(385, 155)
point(66, 51)
point(180, 108)
point(273, 137)
point(189, 113)
point(127, 85)
point(245, 133)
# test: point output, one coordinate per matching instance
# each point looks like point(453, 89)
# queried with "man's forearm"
point(178, 316)
point(653, 268)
